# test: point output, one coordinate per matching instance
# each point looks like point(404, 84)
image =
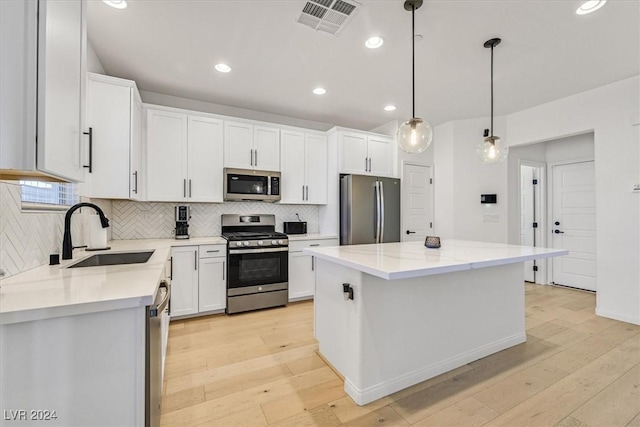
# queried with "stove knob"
point(273, 242)
point(259, 242)
point(237, 243)
point(246, 243)
point(280, 242)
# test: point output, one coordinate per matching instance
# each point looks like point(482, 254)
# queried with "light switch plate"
point(635, 188)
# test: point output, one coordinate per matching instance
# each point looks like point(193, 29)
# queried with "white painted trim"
point(617, 316)
point(362, 397)
point(542, 277)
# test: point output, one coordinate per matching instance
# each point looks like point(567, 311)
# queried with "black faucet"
point(67, 246)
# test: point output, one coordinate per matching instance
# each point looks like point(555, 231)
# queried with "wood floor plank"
point(466, 413)
point(616, 405)
point(557, 401)
point(261, 368)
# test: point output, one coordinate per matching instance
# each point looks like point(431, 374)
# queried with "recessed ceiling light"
point(118, 4)
point(319, 91)
point(374, 42)
point(223, 68)
point(390, 108)
point(590, 6)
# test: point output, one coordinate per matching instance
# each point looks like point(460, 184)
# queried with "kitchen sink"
point(114, 259)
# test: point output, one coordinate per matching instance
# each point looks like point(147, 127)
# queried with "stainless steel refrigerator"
point(369, 210)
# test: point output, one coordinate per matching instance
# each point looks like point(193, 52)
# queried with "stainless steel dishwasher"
point(153, 362)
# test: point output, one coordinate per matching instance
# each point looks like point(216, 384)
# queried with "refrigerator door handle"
point(381, 212)
point(376, 219)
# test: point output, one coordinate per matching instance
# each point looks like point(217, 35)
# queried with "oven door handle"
point(257, 251)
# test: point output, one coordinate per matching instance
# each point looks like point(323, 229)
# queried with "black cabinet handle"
point(90, 166)
point(558, 232)
point(411, 232)
point(135, 189)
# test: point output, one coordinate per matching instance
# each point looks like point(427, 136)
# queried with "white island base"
point(398, 332)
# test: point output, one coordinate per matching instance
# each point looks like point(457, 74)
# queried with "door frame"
point(550, 167)
point(542, 277)
point(403, 194)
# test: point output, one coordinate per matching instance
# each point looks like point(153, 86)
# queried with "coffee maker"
point(183, 215)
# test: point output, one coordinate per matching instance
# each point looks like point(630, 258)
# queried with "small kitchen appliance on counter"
point(183, 215)
point(257, 263)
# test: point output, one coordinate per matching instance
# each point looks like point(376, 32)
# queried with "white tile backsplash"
point(27, 238)
point(152, 220)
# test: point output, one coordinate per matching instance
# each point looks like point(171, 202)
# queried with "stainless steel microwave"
point(251, 185)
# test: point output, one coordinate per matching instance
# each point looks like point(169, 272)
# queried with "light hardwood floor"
point(261, 368)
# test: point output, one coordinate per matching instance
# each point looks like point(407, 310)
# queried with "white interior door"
point(574, 225)
point(527, 216)
point(417, 202)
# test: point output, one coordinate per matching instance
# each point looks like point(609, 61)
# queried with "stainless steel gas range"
point(257, 263)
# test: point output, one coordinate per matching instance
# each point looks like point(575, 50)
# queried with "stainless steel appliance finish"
point(369, 210)
point(117, 258)
point(252, 185)
point(153, 360)
point(183, 215)
point(257, 263)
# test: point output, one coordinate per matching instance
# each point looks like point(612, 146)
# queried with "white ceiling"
point(547, 52)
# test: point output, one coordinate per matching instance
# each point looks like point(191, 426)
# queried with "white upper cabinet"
point(248, 146)
point(114, 118)
point(204, 167)
point(184, 157)
point(42, 55)
point(304, 168)
point(366, 154)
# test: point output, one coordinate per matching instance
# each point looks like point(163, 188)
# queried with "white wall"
point(93, 62)
point(576, 147)
point(443, 185)
point(608, 112)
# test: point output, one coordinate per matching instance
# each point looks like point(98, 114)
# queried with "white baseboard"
point(617, 316)
point(362, 397)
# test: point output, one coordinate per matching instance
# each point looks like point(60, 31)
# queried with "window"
point(49, 193)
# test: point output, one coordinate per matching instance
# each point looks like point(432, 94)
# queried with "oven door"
point(257, 267)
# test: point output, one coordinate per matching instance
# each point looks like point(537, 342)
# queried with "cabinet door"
point(108, 115)
point(136, 177)
point(353, 153)
point(166, 156)
point(238, 145)
point(184, 280)
point(205, 160)
point(60, 47)
point(316, 175)
point(293, 169)
point(267, 148)
point(301, 276)
point(380, 151)
point(212, 284)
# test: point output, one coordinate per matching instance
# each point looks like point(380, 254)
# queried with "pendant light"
point(414, 135)
point(492, 150)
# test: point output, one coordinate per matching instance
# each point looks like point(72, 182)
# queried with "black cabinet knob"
point(557, 223)
point(558, 232)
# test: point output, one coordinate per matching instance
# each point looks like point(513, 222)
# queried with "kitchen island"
point(391, 315)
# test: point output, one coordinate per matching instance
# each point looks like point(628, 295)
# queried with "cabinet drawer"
point(299, 245)
point(212, 251)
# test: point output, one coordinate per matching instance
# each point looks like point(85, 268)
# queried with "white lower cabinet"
point(212, 289)
point(302, 278)
point(198, 283)
point(184, 280)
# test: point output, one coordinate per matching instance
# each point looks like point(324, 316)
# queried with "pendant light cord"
point(492, 91)
point(413, 58)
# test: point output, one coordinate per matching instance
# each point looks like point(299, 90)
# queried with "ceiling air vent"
point(330, 16)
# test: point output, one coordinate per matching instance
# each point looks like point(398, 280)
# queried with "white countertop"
point(54, 291)
point(412, 259)
point(311, 236)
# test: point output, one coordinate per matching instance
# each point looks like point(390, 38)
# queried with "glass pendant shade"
point(414, 136)
point(492, 150)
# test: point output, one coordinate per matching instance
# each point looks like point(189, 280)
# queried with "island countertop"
point(404, 260)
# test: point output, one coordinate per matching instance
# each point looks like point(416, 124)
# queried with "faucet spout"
point(67, 246)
